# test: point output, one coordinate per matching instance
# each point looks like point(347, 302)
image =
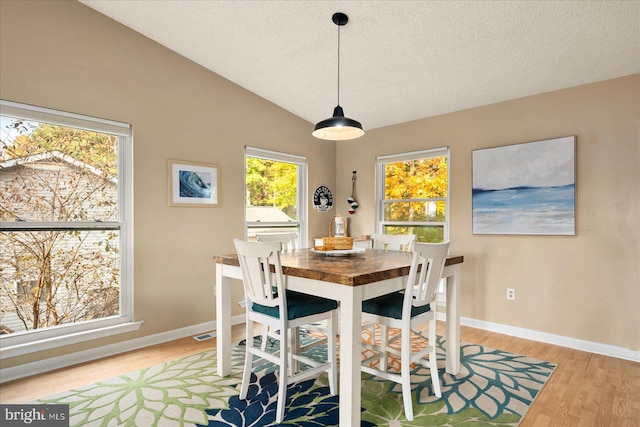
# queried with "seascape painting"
point(193, 184)
point(525, 188)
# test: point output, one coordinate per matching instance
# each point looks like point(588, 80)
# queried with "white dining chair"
point(272, 305)
point(289, 240)
point(389, 242)
point(405, 310)
point(394, 242)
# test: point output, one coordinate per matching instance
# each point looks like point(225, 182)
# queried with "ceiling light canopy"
point(338, 127)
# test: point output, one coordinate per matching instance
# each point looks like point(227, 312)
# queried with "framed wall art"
point(193, 184)
point(322, 199)
point(525, 188)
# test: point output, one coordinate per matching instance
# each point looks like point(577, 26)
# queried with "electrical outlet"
point(511, 294)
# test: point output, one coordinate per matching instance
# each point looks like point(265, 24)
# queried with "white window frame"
point(302, 183)
point(49, 338)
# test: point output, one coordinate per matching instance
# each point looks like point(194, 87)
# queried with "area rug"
point(493, 388)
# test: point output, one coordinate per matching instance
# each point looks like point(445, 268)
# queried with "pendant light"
point(338, 127)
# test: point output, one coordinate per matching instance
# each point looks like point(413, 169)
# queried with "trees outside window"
point(412, 194)
point(63, 221)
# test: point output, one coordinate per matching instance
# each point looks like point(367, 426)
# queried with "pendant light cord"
point(338, 65)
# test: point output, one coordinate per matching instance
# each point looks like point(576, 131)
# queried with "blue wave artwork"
point(525, 188)
point(195, 184)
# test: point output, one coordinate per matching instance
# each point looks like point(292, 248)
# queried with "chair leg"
point(405, 372)
point(248, 361)
point(433, 360)
point(293, 348)
point(384, 344)
point(332, 326)
point(284, 374)
point(265, 338)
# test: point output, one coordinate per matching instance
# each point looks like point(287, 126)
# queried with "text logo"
point(34, 415)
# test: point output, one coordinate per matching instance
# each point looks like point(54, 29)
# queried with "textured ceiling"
point(400, 60)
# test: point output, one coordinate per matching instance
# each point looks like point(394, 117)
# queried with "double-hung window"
point(412, 193)
point(66, 214)
point(275, 193)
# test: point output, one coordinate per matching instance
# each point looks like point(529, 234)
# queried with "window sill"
point(63, 340)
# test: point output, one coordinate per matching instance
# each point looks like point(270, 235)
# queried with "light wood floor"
point(585, 390)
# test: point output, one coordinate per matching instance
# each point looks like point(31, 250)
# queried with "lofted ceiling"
point(399, 60)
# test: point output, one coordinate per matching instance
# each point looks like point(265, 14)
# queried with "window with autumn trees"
point(65, 228)
point(412, 193)
point(275, 193)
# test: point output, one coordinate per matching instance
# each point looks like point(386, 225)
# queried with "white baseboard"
point(577, 344)
point(32, 368)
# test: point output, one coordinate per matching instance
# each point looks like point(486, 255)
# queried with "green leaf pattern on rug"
point(493, 381)
point(170, 394)
point(387, 409)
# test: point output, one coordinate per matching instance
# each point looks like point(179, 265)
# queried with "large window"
point(412, 193)
point(275, 193)
point(65, 228)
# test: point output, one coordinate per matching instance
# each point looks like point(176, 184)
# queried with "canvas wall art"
point(525, 188)
point(193, 184)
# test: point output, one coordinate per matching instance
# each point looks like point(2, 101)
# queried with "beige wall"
point(585, 286)
point(66, 56)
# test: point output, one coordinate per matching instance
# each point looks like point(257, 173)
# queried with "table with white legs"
point(348, 280)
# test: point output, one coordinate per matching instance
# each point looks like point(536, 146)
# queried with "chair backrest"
point(394, 242)
point(422, 285)
point(261, 285)
point(289, 241)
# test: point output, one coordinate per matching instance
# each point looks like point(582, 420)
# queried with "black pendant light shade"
point(338, 127)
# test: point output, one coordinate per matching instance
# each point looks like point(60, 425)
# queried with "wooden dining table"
point(349, 280)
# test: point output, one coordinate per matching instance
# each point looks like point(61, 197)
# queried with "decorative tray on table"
point(337, 252)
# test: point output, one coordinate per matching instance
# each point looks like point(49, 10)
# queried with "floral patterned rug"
point(493, 388)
